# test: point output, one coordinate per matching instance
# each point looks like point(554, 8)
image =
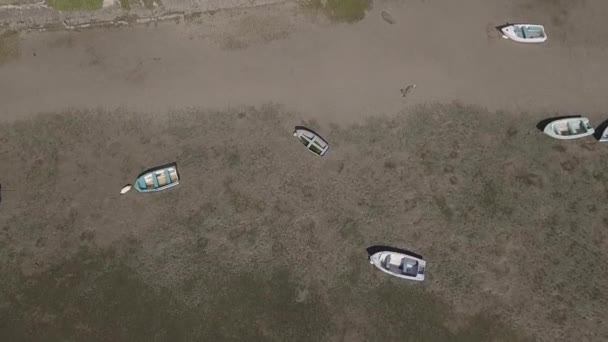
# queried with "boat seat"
point(142, 183)
point(173, 175)
point(387, 262)
point(406, 267)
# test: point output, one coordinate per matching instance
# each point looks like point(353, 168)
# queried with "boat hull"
point(570, 128)
point(511, 32)
point(379, 260)
point(311, 138)
point(158, 179)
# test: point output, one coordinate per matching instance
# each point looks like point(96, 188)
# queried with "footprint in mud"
point(202, 242)
point(568, 165)
point(530, 179)
point(309, 224)
point(41, 242)
point(590, 146)
point(409, 204)
point(337, 166)
point(137, 74)
point(597, 175)
point(349, 230)
point(87, 235)
point(511, 132)
point(491, 31)
point(389, 164)
point(443, 206)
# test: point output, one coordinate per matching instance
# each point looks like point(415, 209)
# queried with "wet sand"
point(335, 72)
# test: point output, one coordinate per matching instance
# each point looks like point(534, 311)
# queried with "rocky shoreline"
point(40, 17)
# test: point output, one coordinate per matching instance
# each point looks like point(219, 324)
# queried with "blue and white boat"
point(158, 179)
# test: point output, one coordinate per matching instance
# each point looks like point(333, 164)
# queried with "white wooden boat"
point(525, 33)
point(399, 265)
point(158, 179)
point(569, 128)
point(313, 142)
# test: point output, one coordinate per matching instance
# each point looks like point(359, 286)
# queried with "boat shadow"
point(174, 164)
point(543, 123)
point(380, 248)
point(599, 130)
point(500, 27)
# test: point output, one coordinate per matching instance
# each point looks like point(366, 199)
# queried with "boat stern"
point(604, 136)
point(421, 270)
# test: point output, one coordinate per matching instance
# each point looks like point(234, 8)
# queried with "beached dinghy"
point(158, 179)
point(525, 33)
point(569, 128)
point(399, 265)
point(313, 142)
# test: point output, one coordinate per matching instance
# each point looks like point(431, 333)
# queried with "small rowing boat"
point(158, 179)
